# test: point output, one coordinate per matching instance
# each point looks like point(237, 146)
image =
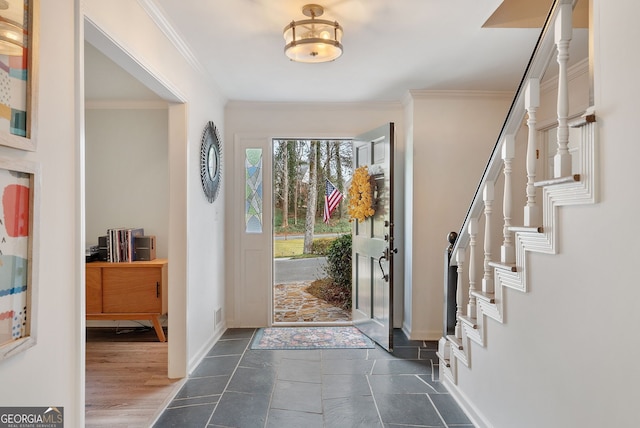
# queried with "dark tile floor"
point(235, 386)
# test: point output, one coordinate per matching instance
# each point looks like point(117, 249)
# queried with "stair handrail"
point(538, 63)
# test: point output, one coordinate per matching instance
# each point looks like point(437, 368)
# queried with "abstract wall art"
point(18, 228)
point(18, 73)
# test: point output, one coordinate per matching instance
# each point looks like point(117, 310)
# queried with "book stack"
point(120, 244)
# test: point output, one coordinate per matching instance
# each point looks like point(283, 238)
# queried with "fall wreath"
point(360, 192)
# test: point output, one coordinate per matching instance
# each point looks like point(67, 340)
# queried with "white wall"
point(408, 215)
point(453, 134)
point(127, 172)
point(568, 352)
point(52, 372)
point(258, 123)
point(49, 374)
point(196, 230)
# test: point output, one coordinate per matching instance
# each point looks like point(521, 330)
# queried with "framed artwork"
point(19, 201)
point(18, 73)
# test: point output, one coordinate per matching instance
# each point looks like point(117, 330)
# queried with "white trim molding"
point(159, 17)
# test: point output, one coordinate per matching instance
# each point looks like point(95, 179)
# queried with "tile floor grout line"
point(205, 377)
point(322, 386)
point(230, 377)
point(375, 402)
point(185, 406)
point(273, 388)
point(426, 383)
point(218, 356)
point(196, 396)
point(437, 411)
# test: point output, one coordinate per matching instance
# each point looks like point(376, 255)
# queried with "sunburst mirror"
point(210, 162)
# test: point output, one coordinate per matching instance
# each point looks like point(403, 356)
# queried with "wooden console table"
point(127, 291)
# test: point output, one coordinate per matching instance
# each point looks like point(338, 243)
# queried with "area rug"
point(310, 338)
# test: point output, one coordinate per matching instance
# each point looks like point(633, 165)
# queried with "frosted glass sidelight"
point(253, 190)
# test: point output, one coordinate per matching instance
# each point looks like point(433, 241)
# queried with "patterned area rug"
point(310, 338)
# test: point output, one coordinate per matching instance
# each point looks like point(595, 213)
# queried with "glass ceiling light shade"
point(11, 38)
point(313, 40)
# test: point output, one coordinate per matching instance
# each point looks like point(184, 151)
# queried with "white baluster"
point(460, 262)
point(473, 232)
point(507, 253)
point(531, 104)
point(487, 195)
point(563, 34)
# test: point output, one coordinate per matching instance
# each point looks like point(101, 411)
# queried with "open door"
point(373, 249)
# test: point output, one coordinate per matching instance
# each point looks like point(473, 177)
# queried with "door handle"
point(385, 255)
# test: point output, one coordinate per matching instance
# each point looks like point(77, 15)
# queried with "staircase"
point(484, 275)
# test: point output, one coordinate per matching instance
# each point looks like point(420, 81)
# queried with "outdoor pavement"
point(292, 303)
point(295, 270)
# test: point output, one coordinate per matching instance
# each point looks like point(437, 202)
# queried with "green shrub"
point(339, 262)
point(321, 246)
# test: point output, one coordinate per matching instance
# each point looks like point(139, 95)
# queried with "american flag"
point(332, 198)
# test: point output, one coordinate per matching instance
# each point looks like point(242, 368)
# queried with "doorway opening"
point(311, 231)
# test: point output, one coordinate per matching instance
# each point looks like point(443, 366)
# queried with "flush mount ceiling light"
point(10, 38)
point(313, 40)
point(11, 34)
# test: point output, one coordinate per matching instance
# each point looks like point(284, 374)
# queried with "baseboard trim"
point(202, 352)
point(467, 406)
point(434, 335)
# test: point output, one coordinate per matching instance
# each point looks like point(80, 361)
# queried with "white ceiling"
point(390, 47)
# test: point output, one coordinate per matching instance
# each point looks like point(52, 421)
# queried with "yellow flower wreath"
point(360, 206)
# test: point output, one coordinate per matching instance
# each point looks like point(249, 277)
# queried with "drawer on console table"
point(135, 287)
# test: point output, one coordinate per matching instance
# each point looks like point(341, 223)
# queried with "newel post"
point(563, 34)
point(531, 104)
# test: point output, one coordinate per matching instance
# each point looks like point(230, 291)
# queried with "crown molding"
point(428, 94)
point(158, 16)
point(313, 106)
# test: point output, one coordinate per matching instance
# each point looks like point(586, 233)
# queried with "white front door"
point(373, 240)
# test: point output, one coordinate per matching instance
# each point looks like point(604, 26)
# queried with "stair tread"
point(504, 266)
point(560, 180)
point(531, 229)
point(455, 341)
point(487, 297)
point(441, 357)
point(471, 322)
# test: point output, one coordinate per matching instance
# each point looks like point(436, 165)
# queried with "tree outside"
point(301, 169)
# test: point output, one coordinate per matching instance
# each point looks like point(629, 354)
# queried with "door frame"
point(273, 282)
point(253, 282)
point(242, 295)
point(177, 125)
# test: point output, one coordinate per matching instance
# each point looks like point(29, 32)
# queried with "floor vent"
point(218, 318)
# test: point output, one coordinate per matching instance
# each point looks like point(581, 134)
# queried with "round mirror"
point(210, 162)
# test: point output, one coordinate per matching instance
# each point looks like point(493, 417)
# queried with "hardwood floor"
point(126, 383)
